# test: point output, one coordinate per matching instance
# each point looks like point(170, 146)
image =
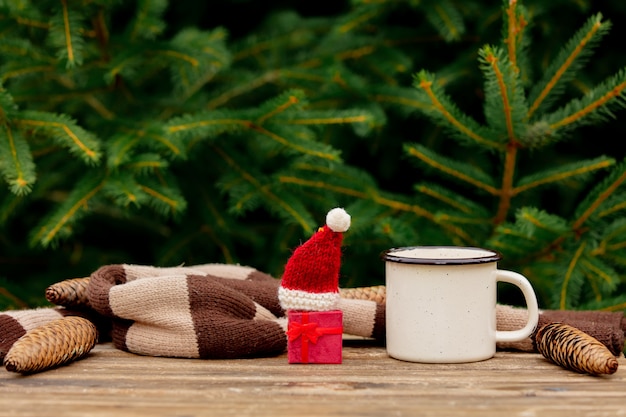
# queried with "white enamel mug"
point(441, 304)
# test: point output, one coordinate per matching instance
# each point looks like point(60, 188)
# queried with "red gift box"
point(314, 336)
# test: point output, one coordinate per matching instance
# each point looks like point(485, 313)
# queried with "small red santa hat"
point(311, 278)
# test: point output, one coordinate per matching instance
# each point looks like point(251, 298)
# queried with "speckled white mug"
point(441, 304)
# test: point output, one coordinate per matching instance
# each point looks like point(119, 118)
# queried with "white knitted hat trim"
point(308, 301)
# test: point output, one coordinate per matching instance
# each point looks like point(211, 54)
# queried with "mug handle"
point(523, 284)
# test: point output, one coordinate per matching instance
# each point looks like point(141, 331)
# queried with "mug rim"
point(389, 256)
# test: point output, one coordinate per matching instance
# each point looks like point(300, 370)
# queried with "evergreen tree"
point(177, 135)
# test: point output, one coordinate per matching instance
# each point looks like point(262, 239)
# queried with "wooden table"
point(110, 382)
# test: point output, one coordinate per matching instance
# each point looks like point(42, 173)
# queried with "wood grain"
point(369, 383)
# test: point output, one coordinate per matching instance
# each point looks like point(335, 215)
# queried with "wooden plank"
point(368, 383)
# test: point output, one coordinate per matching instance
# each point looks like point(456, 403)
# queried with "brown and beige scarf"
point(230, 311)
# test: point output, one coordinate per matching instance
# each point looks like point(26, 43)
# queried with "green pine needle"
point(579, 170)
point(595, 107)
point(64, 131)
point(505, 104)
point(124, 190)
point(458, 170)
point(8, 108)
point(574, 55)
point(148, 22)
point(451, 199)
point(540, 224)
point(445, 18)
point(65, 27)
point(166, 199)
point(59, 224)
point(17, 166)
point(569, 283)
point(440, 107)
point(595, 201)
point(194, 57)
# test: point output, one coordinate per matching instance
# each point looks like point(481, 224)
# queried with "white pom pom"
point(338, 220)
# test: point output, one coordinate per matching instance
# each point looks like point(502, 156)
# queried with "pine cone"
point(375, 293)
point(53, 344)
point(69, 293)
point(575, 350)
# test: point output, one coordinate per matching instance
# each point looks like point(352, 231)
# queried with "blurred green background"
point(322, 49)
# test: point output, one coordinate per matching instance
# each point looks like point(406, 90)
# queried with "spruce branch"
point(246, 84)
point(394, 202)
point(101, 32)
point(616, 246)
point(120, 148)
point(285, 209)
point(317, 118)
point(614, 230)
point(571, 59)
point(451, 199)
point(151, 136)
point(358, 192)
point(281, 120)
point(579, 169)
point(285, 30)
point(572, 281)
point(506, 189)
point(515, 23)
point(286, 102)
point(166, 199)
point(329, 177)
point(64, 131)
point(405, 100)
point(133, 140)
point(323, 185)
point(599, 194)
point(26, 16)
point(398, 204)
point(594, 107)
point(146, 163)
point(64, 34)
point(197, 57)
point(537, 135)
point(205, 124)
point(615, 304)
point(456, 169)
point(540, 224)
point(358, 18)
point(17, 166)
point(148, 22)
point(24, 50)
point(58, 224)
point(296, 140)
point(443, 217)
point(8, 74)
point(8, 108)
point(125, 65)
point(512, 240)
point(602, 276)
point(122, 188)
point(9, 206)
point(446, 114)
point(505, 104)
point(613, 205)
point(445, 18)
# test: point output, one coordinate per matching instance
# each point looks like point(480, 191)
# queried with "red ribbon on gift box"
point(309, 332)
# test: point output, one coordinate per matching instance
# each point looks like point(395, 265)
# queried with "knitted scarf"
point(228, 311)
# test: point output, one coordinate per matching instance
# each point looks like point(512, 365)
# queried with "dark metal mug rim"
point(389, 256)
